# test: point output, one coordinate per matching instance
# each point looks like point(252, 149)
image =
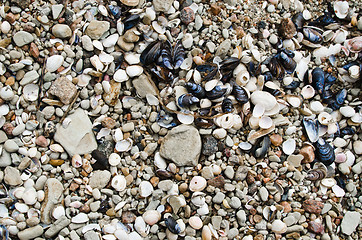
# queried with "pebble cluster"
point(163, 119)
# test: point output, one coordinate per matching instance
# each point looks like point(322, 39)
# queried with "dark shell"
point(272, 90)
point(287, 28)
point(162, 74)
point(216, 92)
point(347, 131)
point(207, 71)
point(4, 232)
point(241, 95)
point(316, 174)
point(318, 79)
point(131, 21)
point(172, 225)
point(166, 55)
point(267, 76)
point(261, 147)
point(163, 174)
point(102, 160)
point(324, 152)
point(227, 105)
point(178, 55)
point(311, 129)
point(287, 62)
point(115, 10)
point(298, 20)
point(293, 85)
point(324, 20)
point(312, 35)
point(207, 112)
point(151, 53)
point(276, 68)
point(195, 89)
point(338, 100)
point(229, 64)
point(186, 100)
point(340, 182)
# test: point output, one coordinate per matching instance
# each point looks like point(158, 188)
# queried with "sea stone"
point(143, 86)
point(78, 137)
point(31, 233)
point(62, 31)
point(53, 196)
point(12, 176)
point(209, 145)
point(96, 29)
point(182, 145)
point(313, 206)
point(29, 77)
point(316, 227)
point(218, 181)
point(223, 48)
point(350, 222)
point(22, 38)
point(5, 159)
point(99, 179)
point(58, 225)
point(64, 89)
point(162, 5)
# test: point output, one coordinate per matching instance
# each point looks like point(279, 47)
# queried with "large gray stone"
point(31, 233)
point(5, 159)
point(182, 145)
point(29, 77)
point(22, 38)
point(58, 225)
point(162, 5)
point(78, 137)
point(99, 179)
point(96, 29)
point(12, 176)
point(143, 86)
point(62, 31)
point(53, 196)
point(350, 222)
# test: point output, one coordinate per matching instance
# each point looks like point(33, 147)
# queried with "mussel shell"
point(216, 92)
point(166, 55)
point(172, 225)
point(340, 182)
point(115, 10)
point(151, 53)
point(195, 89)
point(316, 174)
point(287, 62)
point(293, 85)
point(311, 129)
point(178, 55)
point(229, 64)
point(227, 105)
point(186, 100)
point(323, 20)
point(318, 79)
point(208, 71)
point(298, 20)
point(241, 95)
point(267, 76)
point(338, 100)
point(162, 74)
point(324, 152)
point(203, 123)
point(261, 147)
point(131, 21)
point(163, 174)
point(347, 131)
point(312, 35)
point(276, 68)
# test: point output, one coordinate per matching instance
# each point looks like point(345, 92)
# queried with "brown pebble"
point(313, 206)
point(316, 227)
point(287, 28)
point(108, 123)
point(187, 15)
point(85, 208)
point(10, 81)
point(56, 162)
point(154, 181)
point(111, 213)
point(73, 186)
point(34, 50)
point(276, 139)
point(287, 207)
point(294, 235)
point(10, 18)
point(41, 141)
point(128, 217)
point(183, 187)
point(8, 128)
point(218, 181)
point(308, 153)
point(215, 9)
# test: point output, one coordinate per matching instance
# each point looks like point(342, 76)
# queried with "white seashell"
point(150, 12)
point(302, 67)
point(247, 41)
point(132, 58)
point(240, 68)
point(340, 36)
point(294, 101)
point(225, 121)
point(2, 69)
point(121, 234)
point(338, 191)
point(187, 40)
point(4, 109)
point(124, 145)
point(6, 93)
point(134, 70)
point(205, 103)
point(30, 92)
point(30, 196)
point(114, 159)
point(265, 122)
point(159, 161)
point(83, 80)
point(203, 210)
point(119, 183)
point(307, 92)
point(54, 62)
point(279, 227)
point(106, 58)
point(316, 107)
point(185, 118)
point(187, 63)
point(242, 78)
point(106, 87)
point(96, 63)
point(328, 182)
point(198, 199)
point(256, 54)
point(118, 135)
point(98, 45)
point(56, 148)
point(357, 118)
point(197, 77)
point(58, 212)
point(263, 98)
point(197, 184)
point(120, 76)
point(111, 40)
point(5, 27)
point(158, 28)
point(4, 212)
point(91, 226)
point(258, 110)
point(354, 72)
point(238, 122)
point(103, 10)
point(120, 27)
point(77, 161)
point(195, 222)
point(151, 217)
point(254, 122)
point(341, 9)
point(80, 218)
point(324, 118)
point(211, 84)
point(307, 15)
point(289, 146)
point(140, 227)
point(245, 146)
point(21, 207)
point(347, 111)
point(152, 99)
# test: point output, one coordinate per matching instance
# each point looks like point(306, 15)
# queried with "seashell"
point(354, 71)
point(306, 14)
point(110, 41)
point(187, 63)
point(92, 226)
point(77, 161)
point(227, 105)
point(312, 35)
point(253, 135)
point(225, 121)
point(341, 9)
point(21, 207)
point(56, 148)
point(307, 92)
point(151, 53)
point(185, 118)
point(242, 78)
point(289, 146)
point(311, 128)
point(219, 133)
point(158, 28)
point(267, 100)
point(132, 58)
point(294, 101)
point(354, 45)
point(151, 217)
point(197, 184)
point(198, 199)
point(114, 159)
point(196, 90)
point(106, 58)
point(324, 152)
point(119, 183)
point(279, 227)
point(120, 76)
point(80, 218)
point(324, 118)
point(54, 62)
point(5, 27)
point(96, 62)
point(186, 100)
point(178, 56)
point(124, 145)
point(58, 211)
point(195, 222)
point(206, 233)
point(260, 149)
point(328, 182)
point(247, 41)
point(338, 100)
point(265, 122)
point(159, 161)
point(2, 69)
point(172, 225)
point(134, 70)
point(30, 92)
point(4, 109)
point(340, 36)
point(241, 94)
point(287, 28)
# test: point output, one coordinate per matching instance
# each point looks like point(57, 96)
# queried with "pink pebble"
point(340, 158)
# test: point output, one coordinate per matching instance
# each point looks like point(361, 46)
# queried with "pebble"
point(99, 179)
point(96, 29)
point(12, 176)
point(313, 206)
point(162, 5)
point(62, 31)
point(30, 233)
point(350, 222)
point(187, 15)
point(145, 189)
point(22, 38)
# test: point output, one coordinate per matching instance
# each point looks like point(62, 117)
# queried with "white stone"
point(54, 62)
point(145, 189)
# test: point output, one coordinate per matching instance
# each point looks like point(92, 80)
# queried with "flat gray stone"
point(91, 235)
point(11, 146)
point(58, 225)
point(22, 38)
point(162, 5)
point(30, 233)
point(223, 48)
point(143, 86)
point(56, 10)
point(5, 159)
point(53, 196)
point(99, 179)
point(12, 176)
point(350, 222)
point(182, 145)
point(29, 77)
point(78, 137)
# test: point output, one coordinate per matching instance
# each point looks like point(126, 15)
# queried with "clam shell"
point(341, 9)
point(185, 118)
point(114, 159)
point(265, 122)
point(106, 58)
point(328, 182)
point(120, 76)
point(279, 227)
point(83, 80)
point(263, 98)
point(258, 110)
point(98, 45)
point(119, 183)
point(134, 70)
point(294, 101)
point(58, 211)
point(30, 92)
point(21, 207)
point(111, 40)
point(96, 62)
point(289, 146)
point(197, 184)
point(324, 118)
point(132, 58)
point(195, 222)
point(308, 92)
point(130, 3)
point(54, 62)
point(225, 121)
point(159, 161)
point(242, 78)
point(124, 145)
point(219, 133)
point(211, 84)
point(338, 191)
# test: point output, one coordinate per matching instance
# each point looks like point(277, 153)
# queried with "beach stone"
point(241, 217)
point(316, 227)
point(263, 192)
point(182, 145)
point(29, 77)
point(64, 89)
point(91, 235)
point(313, 206)
point(22, 3)
point(3, 136)
point(187, 15)
point(350, 222)
point(31, 233)
point(56, 10)
point(78, 137)
point(223, 48)
point(143, 86)
point(99, 179)
point(58, 225)
point(209, 145)
point(22, 38)
point(12, 176)
point(357, 147)
point(162, 5)
point(235, 202)
point(62, 31)
point(53, 195)
point(5, 159)
point(218, 181)
point(295, 160)
point(11, 146)
point(218, 198)
point(145, 189)
point(96, 29)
